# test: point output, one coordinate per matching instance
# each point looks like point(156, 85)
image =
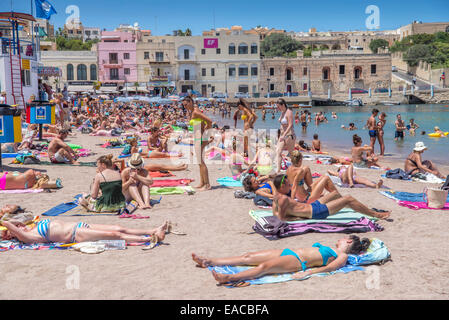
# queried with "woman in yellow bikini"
point(200, 123)
point(249, 117)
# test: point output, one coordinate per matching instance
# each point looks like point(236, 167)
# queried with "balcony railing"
point(113, 63)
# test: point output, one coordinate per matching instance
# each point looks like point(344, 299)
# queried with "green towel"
point(72, 146)
point(344, 216)
point(171, 190)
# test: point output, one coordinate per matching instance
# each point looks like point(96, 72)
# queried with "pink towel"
point(419, 205)
point(171, 183)
point(22, 191)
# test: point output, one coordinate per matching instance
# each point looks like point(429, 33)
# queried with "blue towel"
point(278, 277)
point(9, 155)
point(62, 208)
point(229, 182)
point(405, 196)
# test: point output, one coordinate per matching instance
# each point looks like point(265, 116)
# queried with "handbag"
point(435, 198)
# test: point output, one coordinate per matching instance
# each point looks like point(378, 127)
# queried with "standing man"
point(373, 130)
point(400, 127)
point(3, 97)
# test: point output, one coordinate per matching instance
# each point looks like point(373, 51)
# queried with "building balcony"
point(159, 78)
point(159, 62)
point(112, 63)
point(190, 59)
point(112, 79)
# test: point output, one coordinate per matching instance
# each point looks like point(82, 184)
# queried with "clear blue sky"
point(164, 16)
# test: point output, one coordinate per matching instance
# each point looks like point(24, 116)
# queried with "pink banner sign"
point(210, 43)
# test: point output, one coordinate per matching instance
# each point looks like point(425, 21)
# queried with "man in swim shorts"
point(59, 151)
point(285, 208)
point(372, 127)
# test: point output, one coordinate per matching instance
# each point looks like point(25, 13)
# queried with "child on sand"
point(316, 144)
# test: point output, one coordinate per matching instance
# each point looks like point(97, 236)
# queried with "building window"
point(289, 74)
point(243, 48)
point(342, 70)
point(113, 58)
point(146, 55)
point(243, 71)
point(186, 54)
point(203, 72)
point(357, 73)
point(231, 48)
point(93, 72)
point(243, 89)
point(218, 51)
point(326, 73)
point(373, 69)
point(113, 74)
point(254, 48)
point(159, 56)
point(212, 89)
point(70, 72)
point(232, 71)
point(163, 40)
point(26, 78)
point(212, 72)
point(81, 72)
point(126, 56)
point(304, 87)
point(254, 70)
point(304, 71)
point(127, 71)
point(203, 51)
point(272, 87)
point(271, 71)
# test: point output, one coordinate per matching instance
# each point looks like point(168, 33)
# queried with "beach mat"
point(21, 191)
point(337, 181)
point(405, 196)
point(170, 183)
point(82, 164)
point(344, 216)
point(158, 174)
point(172, 190)
point(229, 182)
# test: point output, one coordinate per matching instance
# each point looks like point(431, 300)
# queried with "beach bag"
point(435, 198)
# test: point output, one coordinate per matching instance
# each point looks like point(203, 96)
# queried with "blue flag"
point(44, 9)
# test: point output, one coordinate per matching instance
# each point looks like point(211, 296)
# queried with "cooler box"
point(40, 113)
point(10, 124)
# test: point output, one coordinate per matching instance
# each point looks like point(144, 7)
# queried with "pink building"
point(117, 58)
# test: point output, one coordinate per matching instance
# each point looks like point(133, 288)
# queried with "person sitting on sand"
point(106, 192)
point(300, 176)
point(155, 142)
point(358, 154)
point(414, 163)
point(286, 208)
point(30, 179)
point(48, 231)
point(60, 152)
point(136, 182)
point(348, 176)
point(301, 261)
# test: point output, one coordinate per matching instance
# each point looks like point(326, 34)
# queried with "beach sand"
point(218, 225)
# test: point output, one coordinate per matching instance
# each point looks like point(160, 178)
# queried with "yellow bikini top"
point(197, 121)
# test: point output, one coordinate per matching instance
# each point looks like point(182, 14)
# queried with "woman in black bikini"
point(414, 163)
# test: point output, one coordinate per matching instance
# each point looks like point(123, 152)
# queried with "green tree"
point(376, 44)
point(280, 45)
point(188, 32)
point(419, 52)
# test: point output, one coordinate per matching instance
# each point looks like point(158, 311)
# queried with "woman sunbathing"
point(300, 176)
point(47, 231)
point(106, 193)
point(30, 179)
point(301, 261)
point(348, 176)
point(261, 186)
point(136, 182)
point(415, 164)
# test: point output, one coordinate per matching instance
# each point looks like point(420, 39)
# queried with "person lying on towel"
point(30, 179)
point(46, 231)
point(284, 207)
point(319, 257)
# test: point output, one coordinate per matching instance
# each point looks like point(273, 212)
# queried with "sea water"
point(334, 137)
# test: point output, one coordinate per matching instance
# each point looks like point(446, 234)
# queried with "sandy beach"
point(217, 225)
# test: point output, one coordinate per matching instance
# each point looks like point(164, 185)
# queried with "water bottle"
point(113, 244)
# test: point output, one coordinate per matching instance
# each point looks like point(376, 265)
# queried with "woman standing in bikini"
point(319, 257)
point(287, 138)
point(201, 123)
point(249, 117)
point(380, 132)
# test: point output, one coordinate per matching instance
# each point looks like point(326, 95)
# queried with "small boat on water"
point(354, 103)
point(301, 106)
point(390, 103)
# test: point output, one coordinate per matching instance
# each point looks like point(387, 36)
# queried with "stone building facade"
point(335, 70)
point(418, 27)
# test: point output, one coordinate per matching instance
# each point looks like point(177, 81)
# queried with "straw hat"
point(419, 146)
point(136, 161)
point(3, 93)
